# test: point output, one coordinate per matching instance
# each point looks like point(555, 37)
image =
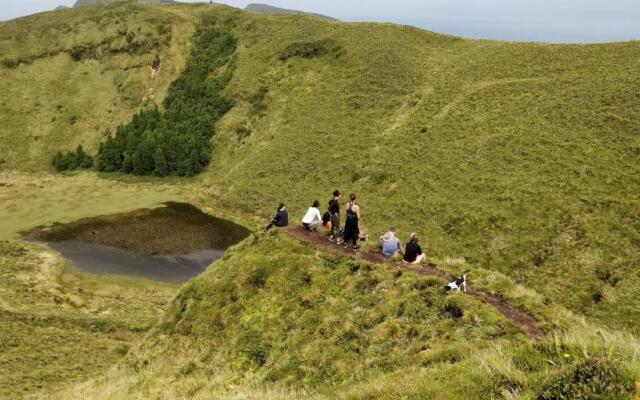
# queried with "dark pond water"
point(106, 260)
point(169, 244)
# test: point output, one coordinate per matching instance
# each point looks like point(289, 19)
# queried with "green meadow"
point(518, 163)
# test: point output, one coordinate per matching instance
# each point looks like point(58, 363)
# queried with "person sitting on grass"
point(312, 219)
point(413, 253)
point(390, 245)
point(281, 219)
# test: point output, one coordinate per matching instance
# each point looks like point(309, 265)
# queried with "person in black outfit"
point(413, 252)
point(281, 219)
point(351, 226)
point(334, 212)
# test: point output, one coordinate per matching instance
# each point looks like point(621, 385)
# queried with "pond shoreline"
point(170, 244)
point(175, 228)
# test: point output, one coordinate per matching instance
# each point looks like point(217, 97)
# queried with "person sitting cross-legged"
point(389, 244)
point(413, 252)
point(312, 219)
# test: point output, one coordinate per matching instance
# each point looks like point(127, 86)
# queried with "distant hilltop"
point(267, 9)
point(80, 3)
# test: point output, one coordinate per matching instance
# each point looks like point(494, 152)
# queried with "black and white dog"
point(458, 284)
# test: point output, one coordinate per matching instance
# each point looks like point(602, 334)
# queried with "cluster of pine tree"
point(177, 141)
point(72, 160)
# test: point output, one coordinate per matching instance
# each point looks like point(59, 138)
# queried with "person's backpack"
point(326, 217)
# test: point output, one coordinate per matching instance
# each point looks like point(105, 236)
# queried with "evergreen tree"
point(127, 164)
point(59, 162)
point(136, 164)
point(194, 165)
point(176, 141)
point(160, 161)
point(72, 160)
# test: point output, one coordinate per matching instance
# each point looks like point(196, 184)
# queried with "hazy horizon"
point(575, 21)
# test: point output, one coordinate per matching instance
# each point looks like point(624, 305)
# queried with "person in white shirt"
point(312, 219)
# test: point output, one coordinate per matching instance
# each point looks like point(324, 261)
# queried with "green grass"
point(517, 162)
point(35, 200)
point(277, 319)
point(53, 102)
point(58, 326)
point(520, 158)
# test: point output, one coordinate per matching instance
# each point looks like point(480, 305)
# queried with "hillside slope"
point(58, 327)
point(82, 3)
point(267, 9)
point(515, 157)
point(275, 319)
point(70, 75)
point(515, 162)
point(520, 158)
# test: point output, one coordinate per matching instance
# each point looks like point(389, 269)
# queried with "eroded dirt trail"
point(518, 317)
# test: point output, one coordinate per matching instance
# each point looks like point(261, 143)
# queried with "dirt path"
point(519, 318)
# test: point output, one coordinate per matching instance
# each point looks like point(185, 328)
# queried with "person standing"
point(352, 223)
point(334, 213)
point(312, 219)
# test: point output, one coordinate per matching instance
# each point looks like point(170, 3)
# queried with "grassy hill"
point(517, 158)
point(267, 9)
point(59, 326)
point(275, 319)
point(81, 3)
point(517, 162)
point(72, 74)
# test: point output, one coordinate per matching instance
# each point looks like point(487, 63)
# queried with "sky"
point(560, 21)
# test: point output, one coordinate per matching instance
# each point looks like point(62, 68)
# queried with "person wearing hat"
point(312, 219)
point(413, 253)
point(389, 244)
point(281, 219)
point(334, 214)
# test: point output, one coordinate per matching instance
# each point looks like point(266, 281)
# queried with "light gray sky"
point(539, 20)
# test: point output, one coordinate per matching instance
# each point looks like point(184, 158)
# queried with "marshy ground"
point(171, 244)
point(176, 228)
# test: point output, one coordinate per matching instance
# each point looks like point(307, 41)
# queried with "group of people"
point(349, 235)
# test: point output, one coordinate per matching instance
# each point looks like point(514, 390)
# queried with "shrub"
point(258, 352)
point(10, 249)
point(451, 310)
point(591, 379)
point(72, 160)
point(243, 132)
point(258, 101)
point(188, 369)
point(313, 49)
point(10, 63)
point(258, 278)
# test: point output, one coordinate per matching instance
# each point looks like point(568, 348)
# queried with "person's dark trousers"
point(335, 225)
